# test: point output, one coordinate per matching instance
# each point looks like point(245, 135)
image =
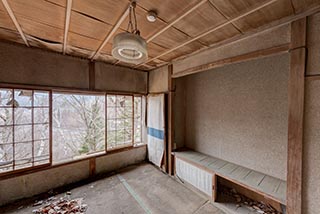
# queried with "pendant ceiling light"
point(129, 46)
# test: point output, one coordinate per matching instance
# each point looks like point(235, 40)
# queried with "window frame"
point(132, 121)
point(32, 124)
point(51, 91)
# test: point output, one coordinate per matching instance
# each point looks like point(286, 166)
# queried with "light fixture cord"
point(133, 25)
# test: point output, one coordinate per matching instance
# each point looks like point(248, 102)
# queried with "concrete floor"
point(135, 190)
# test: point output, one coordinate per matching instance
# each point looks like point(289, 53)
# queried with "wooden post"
point(214, 187)
point(170, 120)
point(92, 76)
point(295, 116)
point(92, 166)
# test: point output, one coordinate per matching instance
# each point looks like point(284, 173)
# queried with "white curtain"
point(156, 127)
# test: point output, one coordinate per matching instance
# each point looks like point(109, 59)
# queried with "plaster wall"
point(32, 66)
point(114, 78)
point(239, 113)
point(22, 65)
point(158, 80)
point(116, 161)
point(266, 39)
point(28, 185)
point(179, 113)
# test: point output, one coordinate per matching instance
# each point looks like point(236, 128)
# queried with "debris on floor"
point(61, 206)
point(241, 200)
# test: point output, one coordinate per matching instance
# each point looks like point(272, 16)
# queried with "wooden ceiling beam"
point(250, 11)
point(281, 49)
point(110, 34)
point(67, 24)
point(15, 21)
point(187, 12)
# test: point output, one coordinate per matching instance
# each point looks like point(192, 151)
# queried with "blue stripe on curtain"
point(156, 133)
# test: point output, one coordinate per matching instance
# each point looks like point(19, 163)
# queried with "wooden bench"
point(188, 162)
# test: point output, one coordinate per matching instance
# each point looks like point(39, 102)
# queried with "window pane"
point(137, 131)
point(22, 98)
point(41, 149)
point(111, 113)
point(111, 124)
point(78, 125)
point(22, 133)
point(41, 98)
point(119, 121)
point(137, 120)
point(6, 134)
point(22, 116)
point(41, 132)
point(124, 101)
point(6, 97)
point(6, 156)
point(17, 137)
point(23, 152)
point(22, 164)
point(41, 115)
point(111, 100)
point(5, 116)
point(111, 139)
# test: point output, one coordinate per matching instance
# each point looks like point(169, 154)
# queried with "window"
point(78, 125)
point(24, 129)
point(124, 121)
point(119, 121)
point(138, 120)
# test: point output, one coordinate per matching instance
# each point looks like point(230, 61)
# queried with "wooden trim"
point(165, 153)
point(170, 120)
point(18, 173)
point(313, 77)
point(110, 34)
point(214, 187)
point(15, 21)
point(67, 89)
point(92, 167)
point(92, 76)
point(50, 126)
point(132, 120)
point(250, 11)
point(299, 34)
point(67, 24)
point(236, 59)
point(187, 12)
point(296, 115)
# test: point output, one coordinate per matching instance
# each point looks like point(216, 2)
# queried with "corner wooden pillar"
point(170, 120)
point(295, 115)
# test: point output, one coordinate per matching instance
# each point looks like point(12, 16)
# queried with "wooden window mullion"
point(32, 121)
point(13, 131)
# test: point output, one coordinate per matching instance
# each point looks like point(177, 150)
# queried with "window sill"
point(26, 171)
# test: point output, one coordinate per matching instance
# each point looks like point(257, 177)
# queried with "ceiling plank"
point(224, 15)
point(110, 34)
point(15, 21)
point(67, 24)
point(187, 12)
point(259, 7)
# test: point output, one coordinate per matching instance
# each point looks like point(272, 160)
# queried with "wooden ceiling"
point(86, 28)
